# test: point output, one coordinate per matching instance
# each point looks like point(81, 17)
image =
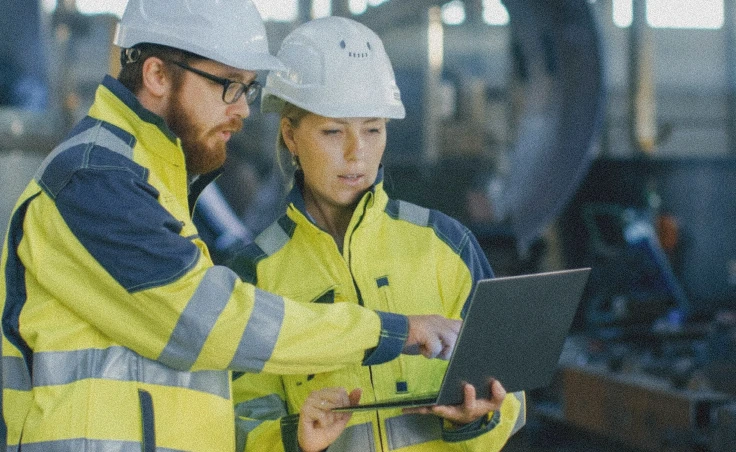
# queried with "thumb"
point(354, 396)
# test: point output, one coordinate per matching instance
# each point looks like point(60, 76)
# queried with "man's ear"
point(156, 78)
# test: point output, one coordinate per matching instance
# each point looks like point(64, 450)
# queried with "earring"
point(294, 161)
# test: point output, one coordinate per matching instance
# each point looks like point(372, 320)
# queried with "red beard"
point(200, 157)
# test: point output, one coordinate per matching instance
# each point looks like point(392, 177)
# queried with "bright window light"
point(435, 39)
point(115, 7)
point(277, 10)
point(622, 13)
point(685, 13)
point(48, 5)
point(102, 6)
point(495, 13)
point(453, 13)
point(357, 6)
point(376, 2)
point(705, 14)
point(321, 8)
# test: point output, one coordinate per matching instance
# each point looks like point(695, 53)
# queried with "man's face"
point(197, 114)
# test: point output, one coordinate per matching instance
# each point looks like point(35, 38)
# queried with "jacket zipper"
point(361, 303)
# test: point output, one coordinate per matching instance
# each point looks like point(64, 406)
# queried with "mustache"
point(233, 125)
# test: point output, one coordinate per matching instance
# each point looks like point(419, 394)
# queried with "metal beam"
point(396, 13)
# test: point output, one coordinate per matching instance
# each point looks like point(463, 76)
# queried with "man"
point(118, 331)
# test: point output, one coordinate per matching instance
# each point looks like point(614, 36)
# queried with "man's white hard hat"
point(227, 31)
point(335, 67)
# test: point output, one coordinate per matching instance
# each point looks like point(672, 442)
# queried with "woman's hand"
point(471, 408)
point(318, 425)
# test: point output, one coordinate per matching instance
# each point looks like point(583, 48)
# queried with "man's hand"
point(318, 425)
point(471, 408)
point(433, 336)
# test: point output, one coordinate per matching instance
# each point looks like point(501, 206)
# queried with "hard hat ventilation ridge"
point(327, 60)
point(352, 54)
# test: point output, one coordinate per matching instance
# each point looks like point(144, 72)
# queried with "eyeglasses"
point(231, 90)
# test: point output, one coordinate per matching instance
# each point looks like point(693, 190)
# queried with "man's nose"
point(240, 108)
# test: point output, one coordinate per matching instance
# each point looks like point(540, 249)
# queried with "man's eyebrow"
point(237, 76)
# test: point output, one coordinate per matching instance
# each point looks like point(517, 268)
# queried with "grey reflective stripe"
point(521, 419)
point(272, 239)
point(198, 318)
point(87, 445)
point(96, 135)
point(243, 427)
point(413, 213)
point(411, 429)
point(122, 364)
point(356, 438)
point(261, 333)
point(252, 413)
point(269, 407)
point(15, 374)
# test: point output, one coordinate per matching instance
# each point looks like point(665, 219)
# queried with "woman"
point(342, 240)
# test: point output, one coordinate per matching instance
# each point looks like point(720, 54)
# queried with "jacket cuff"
point(472, 430)
point(394, 331)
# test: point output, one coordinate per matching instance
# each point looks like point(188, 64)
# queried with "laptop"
point(514, 331)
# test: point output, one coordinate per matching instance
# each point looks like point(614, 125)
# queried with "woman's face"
point(339, 156)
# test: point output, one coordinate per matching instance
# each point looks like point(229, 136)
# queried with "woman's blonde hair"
point(286, 161)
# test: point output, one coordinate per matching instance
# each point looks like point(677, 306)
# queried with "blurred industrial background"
point(564, 133)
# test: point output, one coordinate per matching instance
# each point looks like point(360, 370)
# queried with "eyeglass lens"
point(234, 90)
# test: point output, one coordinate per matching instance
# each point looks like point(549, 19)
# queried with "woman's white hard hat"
point(335, 67)
point(227, 31)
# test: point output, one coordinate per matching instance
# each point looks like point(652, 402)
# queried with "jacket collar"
point(296, 195)
point(132, 102)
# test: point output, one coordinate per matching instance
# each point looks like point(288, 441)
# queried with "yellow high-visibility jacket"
point(396, 257)
point(118, 332)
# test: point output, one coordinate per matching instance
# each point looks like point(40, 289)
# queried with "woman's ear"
point(287, 133)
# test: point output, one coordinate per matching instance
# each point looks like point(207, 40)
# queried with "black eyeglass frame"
point(251, 90)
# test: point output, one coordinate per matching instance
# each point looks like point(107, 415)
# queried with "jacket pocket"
point(326, 297)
